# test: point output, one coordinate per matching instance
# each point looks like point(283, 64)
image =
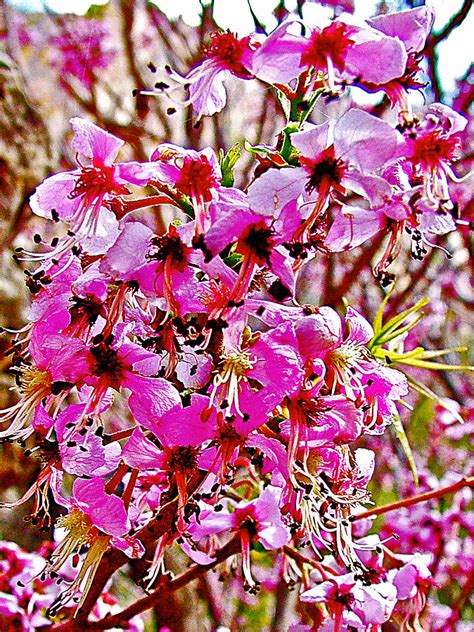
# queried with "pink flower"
point(350, 368)
point(256, 521)
point(78, 196)
point(81, 48)
point(334, 156)
point(96, 519)
point(127, 365)
point(59, 362)
point(225, 55)
point(372, 604)
point(191, 173)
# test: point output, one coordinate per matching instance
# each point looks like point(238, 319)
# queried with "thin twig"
point(420, 498)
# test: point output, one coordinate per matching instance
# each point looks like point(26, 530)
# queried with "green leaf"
point(228, 163)
point(97, 11)
point(403, 439)
point(233, 260)
point(427, 392)
point(392, 327)
point(285, 104)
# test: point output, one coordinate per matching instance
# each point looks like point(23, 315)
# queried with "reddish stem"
point(413, 500)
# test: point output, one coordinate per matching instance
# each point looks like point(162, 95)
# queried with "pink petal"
point(376, 58)
point(412, 27)
point(366, 141)
point(93, 142)
point(106, 511)
point(150, 398)
point(53, 195)
point(352, 227)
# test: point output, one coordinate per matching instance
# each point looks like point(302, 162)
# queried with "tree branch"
point(166, 586)
point(420, 498)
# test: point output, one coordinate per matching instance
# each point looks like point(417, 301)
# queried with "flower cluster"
point(84, 48)
point(26, 592)
point(172, 380)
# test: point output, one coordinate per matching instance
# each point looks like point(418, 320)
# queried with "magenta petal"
point(411, 27)
point(142, 361)
point(150, 398)
point(195, 554)
point(42, 421)
point(53, 194)
point(375, 603)
point(321, 593)
point(187, 426)
point(361, 330)
point(313, 140)
point(228, 223)
point(141, 453)
point(377, 190)
point(366, 141)
point(273, 451)
point(128, 252)
point(207, 93)
point(376, 58)
point(67, 416)
point(283, 270)
point(106, 511)
point(89, 456)
point(211, 522)
point(66, 358)
point(436, 223)
point(277, 60)
point(405, 582)
point(275, 188)
point(318, 333)
point(94, 142)
point(352, 227)
point(138, 173)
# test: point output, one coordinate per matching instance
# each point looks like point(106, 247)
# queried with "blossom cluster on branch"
point(176, 390)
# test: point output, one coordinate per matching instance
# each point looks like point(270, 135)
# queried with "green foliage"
point(228, 162)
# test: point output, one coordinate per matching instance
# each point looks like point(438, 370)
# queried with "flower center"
point(237, 364)
point(108, 363)
point(325, 171)
point(94, 181)
point(332, 42)
point(184, 458)
point(169, 246)
point(35, 382)
point(258, 240)
point(229, 50)
point(197, 178)
point(77, 523)
point(432, 149)
point(235, 367)
point(314, 410)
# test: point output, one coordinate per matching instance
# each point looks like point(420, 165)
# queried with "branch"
point(413, 500)
point(113, 560)
point(431, 46)
point(455, 21)
point(167, 586)
point(127, 19)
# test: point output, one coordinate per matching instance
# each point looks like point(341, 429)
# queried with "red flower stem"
point(413, 500)
point(117, 436)
point(127, 495)
point(151, 200)
point(116, 478)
